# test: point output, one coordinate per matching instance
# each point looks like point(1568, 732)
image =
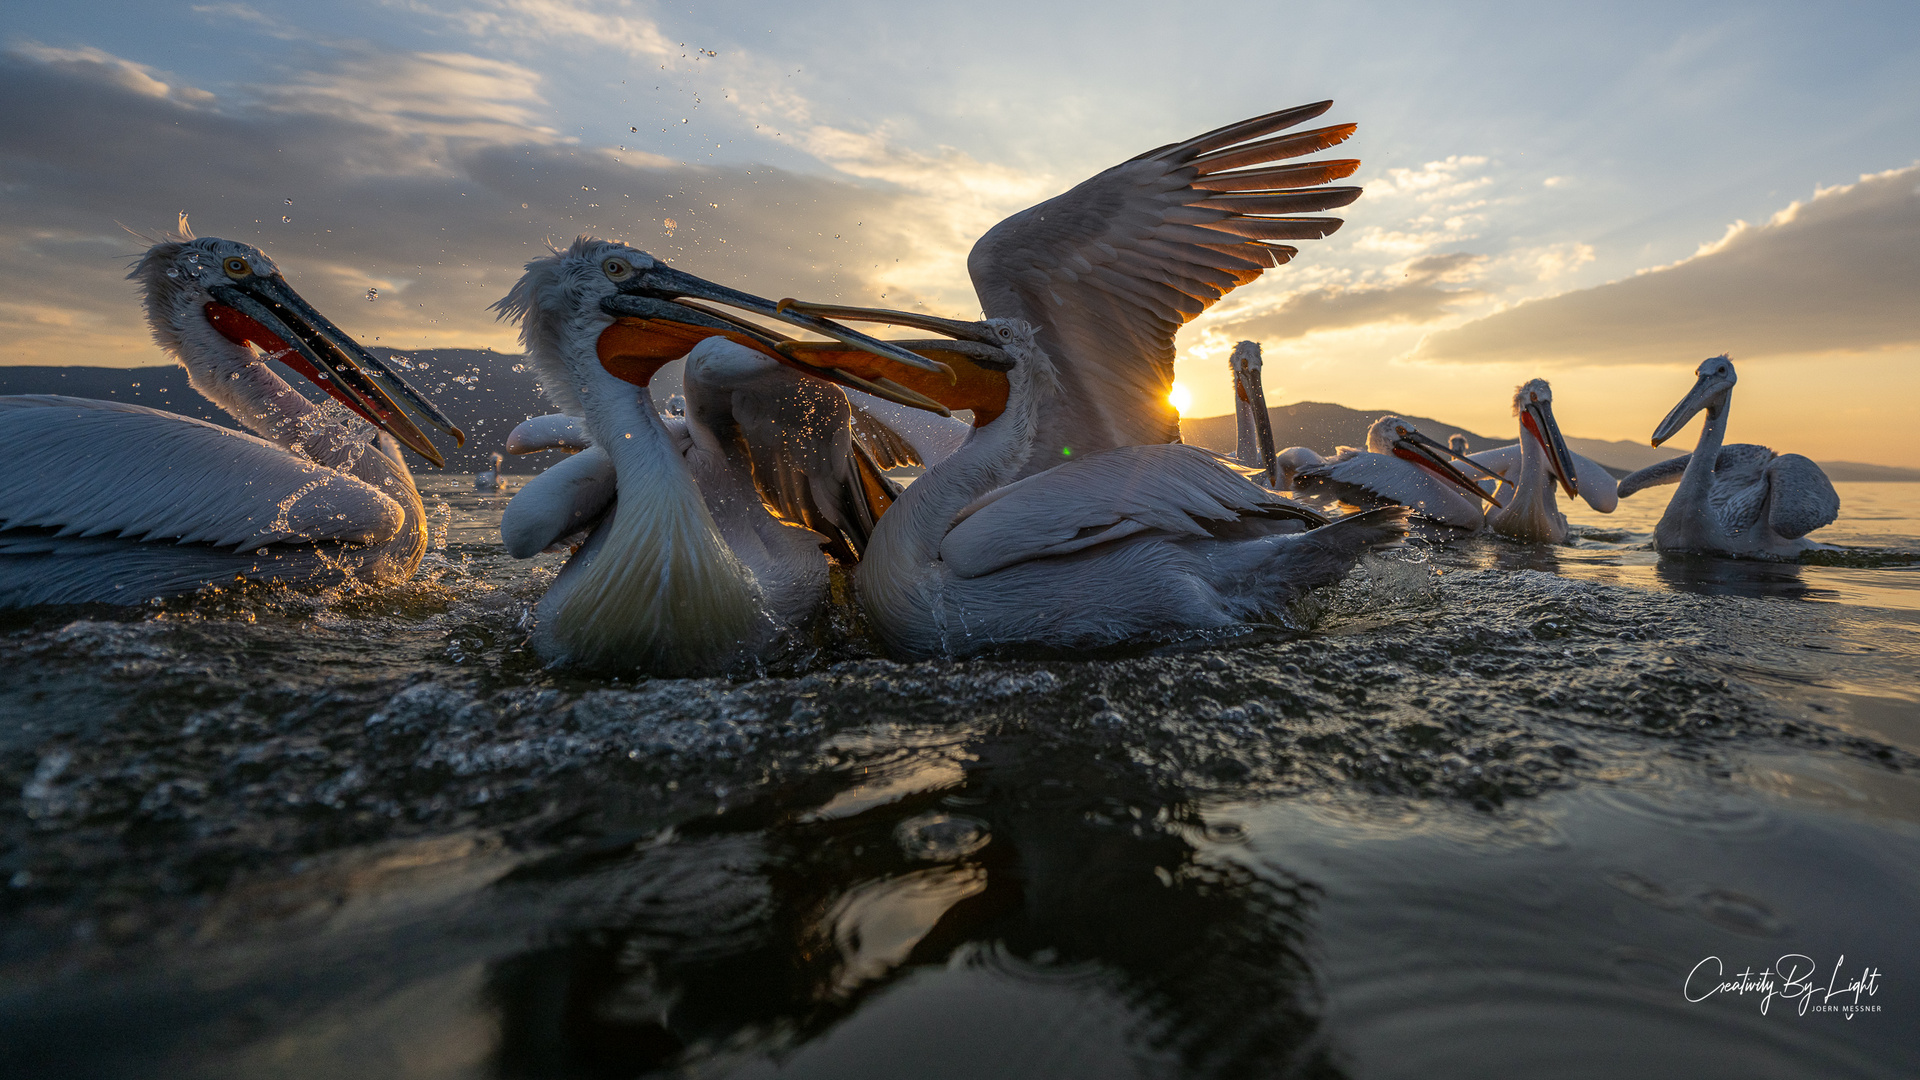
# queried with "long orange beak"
point(636, 347)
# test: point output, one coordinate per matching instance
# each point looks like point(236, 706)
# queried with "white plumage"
point(1399, 466)
point(113, 503)
point(1742, 500)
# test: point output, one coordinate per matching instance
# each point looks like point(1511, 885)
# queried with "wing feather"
point(1802, 498)
point(98, 468)
point(1168, 487)
point(1109, 271)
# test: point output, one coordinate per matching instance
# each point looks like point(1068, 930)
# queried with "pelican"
point(490, 480)
point(1743, 500)
point(1400, 465)
point(1071, 517)
point(690, 574)
point(1457, 445)
point(1253, 445)
point(106, 502)
point(1531, 467)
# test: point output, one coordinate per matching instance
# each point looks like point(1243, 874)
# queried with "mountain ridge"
point(487, 393)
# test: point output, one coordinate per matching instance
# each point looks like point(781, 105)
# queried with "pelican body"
point(1740, 500)
point(1404, 467)
point(1531, 468)
point(1123, 544)
point(107, 502)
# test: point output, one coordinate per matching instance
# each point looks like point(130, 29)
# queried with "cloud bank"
point(428, 177)
point(1837, 273)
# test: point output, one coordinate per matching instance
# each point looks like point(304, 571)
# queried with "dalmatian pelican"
point(1402, 466)
point(1743, 500)
point(1532, 466)
point(107, 502)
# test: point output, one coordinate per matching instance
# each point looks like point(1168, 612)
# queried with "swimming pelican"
point(1531, 467)
point(1741, 500)
point(491, 479)
point(106, 502)
point(690, 574)
point(1400, 465)
point(1253, 444)
point(1126, 543)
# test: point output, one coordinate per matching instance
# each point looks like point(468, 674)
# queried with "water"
point(1483, 820)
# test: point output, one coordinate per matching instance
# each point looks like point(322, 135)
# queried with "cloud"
point(435, 194)
point(1837, 273)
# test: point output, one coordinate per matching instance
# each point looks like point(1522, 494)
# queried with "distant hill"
point(487, 393)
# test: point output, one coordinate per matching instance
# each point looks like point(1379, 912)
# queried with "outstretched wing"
point(1106, 496)
point(100, 468)
point(1110, 270)
point(1802, 498)
point(1663, 472)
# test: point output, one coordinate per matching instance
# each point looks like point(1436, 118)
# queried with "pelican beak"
point(1537, 418)
point(1704, 391)
point(649, 332)
point(265, 311)
point(1438, 460)
point(662, 282)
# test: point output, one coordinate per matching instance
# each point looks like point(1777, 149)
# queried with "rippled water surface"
point(1483, 818)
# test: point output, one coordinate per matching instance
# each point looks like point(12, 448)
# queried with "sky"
point(1602, 195)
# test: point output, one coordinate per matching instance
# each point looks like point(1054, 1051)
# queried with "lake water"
point(1499, 811)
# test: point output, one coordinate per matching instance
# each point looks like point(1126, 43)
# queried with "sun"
point(1180, 398)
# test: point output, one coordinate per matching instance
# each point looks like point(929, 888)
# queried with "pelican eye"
point(237, 267)
point(617, 269)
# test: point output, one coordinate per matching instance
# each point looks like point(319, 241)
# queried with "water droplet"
point(289, 202)
point(233, 375)
point(372, 295)
point(633, 129)
point(285, 218)
point(173, 272)
point(523, 206)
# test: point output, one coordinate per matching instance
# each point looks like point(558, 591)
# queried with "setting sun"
point(1180, 398)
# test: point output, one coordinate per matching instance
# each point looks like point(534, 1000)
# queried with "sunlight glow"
point(1180, 398)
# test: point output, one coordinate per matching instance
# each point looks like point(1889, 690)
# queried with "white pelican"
point(690, 574)
point(1400, 465)
point(491, 479)
point(1531, 467)
point(1067, 519)
point(1741, 500)
point(104, 502)
point(1126, 543)
point(1253, 442)
point(1457, 445)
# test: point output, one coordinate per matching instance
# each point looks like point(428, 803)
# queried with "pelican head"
point(1533, 404)
point(1245, 360)
point(1393, 435)
point(1710, 390)
point(205, 296)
